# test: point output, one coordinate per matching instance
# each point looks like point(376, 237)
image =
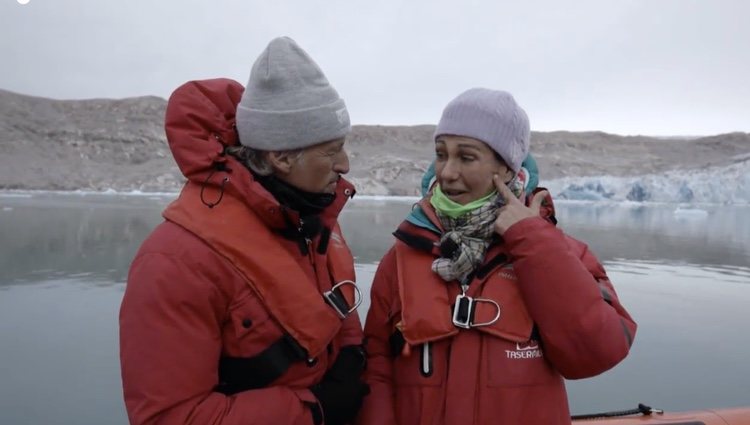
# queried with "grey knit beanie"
point(288, 102)
point(493, 117)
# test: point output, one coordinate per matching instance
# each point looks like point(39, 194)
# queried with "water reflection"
point(59, 354)
point(713, 235)
point(64, 259)
point(52, 235)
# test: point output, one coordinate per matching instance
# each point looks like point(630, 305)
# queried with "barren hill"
point(100, 144)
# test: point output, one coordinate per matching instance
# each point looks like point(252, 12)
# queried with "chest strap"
point(238, 374)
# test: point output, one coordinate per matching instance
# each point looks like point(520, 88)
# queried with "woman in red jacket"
point(483, 306)
point(239, 307)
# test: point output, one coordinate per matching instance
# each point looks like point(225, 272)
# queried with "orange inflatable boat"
point(645, 415)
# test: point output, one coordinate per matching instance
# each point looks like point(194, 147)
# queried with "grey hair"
point(257, 160)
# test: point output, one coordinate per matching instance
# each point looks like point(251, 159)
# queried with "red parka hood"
point(200, 125)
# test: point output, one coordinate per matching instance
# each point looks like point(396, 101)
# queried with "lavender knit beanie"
point(493, 117)
point(288, 102)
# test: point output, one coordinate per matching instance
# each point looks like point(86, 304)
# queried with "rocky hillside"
point(104, 144)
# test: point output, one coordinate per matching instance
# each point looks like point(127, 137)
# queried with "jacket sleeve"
point(170, 344)
point(583, 327)
point(378, 407)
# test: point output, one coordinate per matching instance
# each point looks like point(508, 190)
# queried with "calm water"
point(683, 274)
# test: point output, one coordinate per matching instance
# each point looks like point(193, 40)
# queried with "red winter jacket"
point(218, 282)
point(560, 318)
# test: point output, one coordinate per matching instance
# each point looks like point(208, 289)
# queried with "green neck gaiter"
point(453, 209)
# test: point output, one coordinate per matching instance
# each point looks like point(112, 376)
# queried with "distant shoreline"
point(26, 194)
point(119, 147)
point(13, 193)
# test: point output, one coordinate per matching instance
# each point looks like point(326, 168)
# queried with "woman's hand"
point(514, 210)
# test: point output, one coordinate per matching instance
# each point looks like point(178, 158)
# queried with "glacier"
point(729, 185)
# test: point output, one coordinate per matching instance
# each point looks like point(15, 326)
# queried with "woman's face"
point(464, 168)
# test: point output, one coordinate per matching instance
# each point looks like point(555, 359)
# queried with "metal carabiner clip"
point(338, 302)
point(464, 309)
point(497, 315)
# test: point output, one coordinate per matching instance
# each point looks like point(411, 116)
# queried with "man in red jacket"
point(240, 306)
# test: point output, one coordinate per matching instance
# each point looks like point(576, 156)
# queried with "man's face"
point(318, 168)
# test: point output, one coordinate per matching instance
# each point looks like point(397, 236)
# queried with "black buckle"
point(463, 311)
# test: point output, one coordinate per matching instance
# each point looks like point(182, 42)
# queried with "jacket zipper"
point(310, 254)
point(308, 241)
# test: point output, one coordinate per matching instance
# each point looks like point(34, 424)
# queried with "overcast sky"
point(659, 67)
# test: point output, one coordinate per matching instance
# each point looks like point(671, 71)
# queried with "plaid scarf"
point(466, 238)
point(465, 241)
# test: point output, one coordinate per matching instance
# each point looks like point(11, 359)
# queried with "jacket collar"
point(423, 214)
